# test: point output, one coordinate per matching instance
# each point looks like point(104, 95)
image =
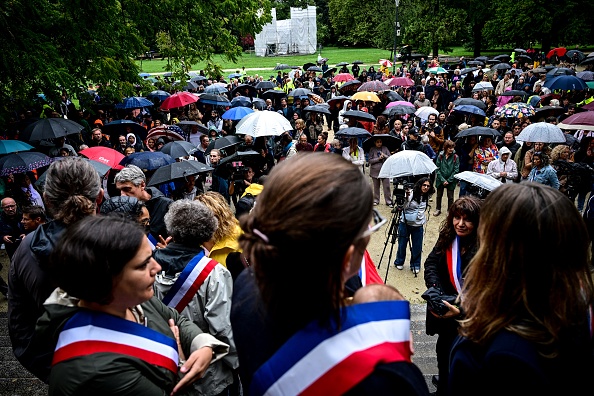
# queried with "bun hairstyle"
point(304, 222)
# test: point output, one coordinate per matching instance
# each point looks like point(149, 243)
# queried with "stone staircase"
point(16, 381)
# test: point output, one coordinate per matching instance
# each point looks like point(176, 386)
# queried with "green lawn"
point(370, 56)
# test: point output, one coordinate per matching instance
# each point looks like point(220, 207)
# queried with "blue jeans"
point(416, 235)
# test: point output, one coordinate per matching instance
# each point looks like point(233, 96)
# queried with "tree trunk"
point(477, 33)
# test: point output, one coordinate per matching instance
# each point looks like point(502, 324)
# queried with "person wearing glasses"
point(11, 228)
point(411, 224)
point(290, 314)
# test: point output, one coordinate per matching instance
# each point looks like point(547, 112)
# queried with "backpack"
point(244, 205)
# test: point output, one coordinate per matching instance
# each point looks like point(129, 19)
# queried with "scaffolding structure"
point(297, 35)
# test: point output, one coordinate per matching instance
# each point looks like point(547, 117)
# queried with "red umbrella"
point(373, 86)
point(343, 77)
point(557, 51)
point(401, 82)
point(179, 99)
point(104, 155)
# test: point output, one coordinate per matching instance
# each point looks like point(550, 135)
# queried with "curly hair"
point(222, 211)
point(190, 223)
point(557, 150)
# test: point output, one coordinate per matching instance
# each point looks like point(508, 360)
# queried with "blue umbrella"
point(565, 83)
point(243, 101)
point(158, 94)
point(149, 160)
point(12, 146)
point(216, 89)
point(235, 75)
point(134, 102)
point(236, 113)
point(469, 109)
point(144, 74)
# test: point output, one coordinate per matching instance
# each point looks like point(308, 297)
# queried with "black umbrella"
point(520, 51)
point(359, 115)
point(196, 79)
point(352, 132)
point(120, 127)
point(300, 92)
point(245, 90)
point(223, 143)
point(473, 102)
point(399, 110)
point(391, 142)
point(501, 66)
point(49, 128)
point(358, 62)
point(443, 92)
point(393, 96)
point(317, 109)
point(342, 64)
point(177, 170)
point(215, 100)
point(258, 103)
point(23, 162)
point(539, 70)
point(322, 60)
point(350, 86)
point(333, 103)
point(493, 61)
point(560, 71)
point(524, 58)
point(514, 92)
point(249, 157)
point(476, 63)
point(179, 148)
point(481, 58)
point(241, 101)
point(282, 66)
point(314, 69)
point(308, 65)
point(328, 72)
point(273, 94)
point(502, 57)
point(265, 85)
point(478, 131)
point(547, 111)
point(468, 70)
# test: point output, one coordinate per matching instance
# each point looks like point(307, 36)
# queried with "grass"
point(370, 56)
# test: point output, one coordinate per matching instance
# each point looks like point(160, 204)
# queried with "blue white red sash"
point(189, 281)
point(90, 332)
point(368, 272)
point(322, 361)
point(454, 259)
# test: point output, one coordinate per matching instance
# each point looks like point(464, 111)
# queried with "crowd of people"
point(117, 286)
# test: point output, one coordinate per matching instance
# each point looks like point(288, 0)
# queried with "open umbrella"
point(560, 71)
point(120, 127)
point(265, 85)
point(541, 132)
point(158, 94)
point(392, 96)
point(514, 92)
point(352, 132)
point(493, 61)
point(49, 128)
point(586, 75)
point(385, 62)
point(259, 104)
point(172, 132)
point(299, 92)
point(468, 70)
point(314, 69)
point(399, 110)
point(245, 90)
point(236, 113)
point(263, 123)
point(483, 86)
point(502, 57)
point(469, 110)
point(469, 101)
point(520, 51)
point(424, 112)
point(101, 169)
point(317, 99)
point(329, 72)
point(401, 82)
point(343, 77)
point(12, 146)
point(391, 142)
point(523, 58)
point(335, 101)
point(539, 70)
point(480, 180)
point(565, 83)
point(177, 170)
point(134, 102)
point(273, 94)
point(407, 163)
point(501, 66)
point(547, 111)
point(149, 160)
point(23, 162)
point(235, 75)
point(215, 100)
point(576, 55)
point(366, 97)
point(373, 86)
point(583, 120)
point(177, 149)
point(359, 115)
point(241, 101)
point(223, 143)
point(476, 63)
point(216, 89)
point(317, 109)
point(105, 155)
point(437, 70)
point(357, 62)
point(478, 131)
point(197, 79)
point(342, 64)
point(559, 52)
point(350, 86)
point(179, 99)
point(281, 66)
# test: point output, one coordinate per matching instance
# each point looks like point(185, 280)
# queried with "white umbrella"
point(424, 112)
point(407, 163)
point(483, 86)
point(479, 179)
point(263, 123)
point(542, 132)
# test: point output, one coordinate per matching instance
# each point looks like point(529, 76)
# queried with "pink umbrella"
point(399, 103)
point(385, 62)
point(401, 82)
point(343, 77)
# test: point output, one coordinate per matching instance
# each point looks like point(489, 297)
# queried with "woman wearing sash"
point(444, 268)
point(527, 299)
point(292, 327)
point(116, 338)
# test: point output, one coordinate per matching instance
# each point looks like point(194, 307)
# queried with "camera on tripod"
point(238, 171)
point(401, 186)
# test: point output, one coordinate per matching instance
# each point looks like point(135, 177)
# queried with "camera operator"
point(411, 223)
point(241, 178)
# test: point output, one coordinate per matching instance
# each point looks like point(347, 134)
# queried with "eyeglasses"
point(378, 222)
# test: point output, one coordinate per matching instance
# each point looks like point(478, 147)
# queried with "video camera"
point(401, 186)
point(238, 171)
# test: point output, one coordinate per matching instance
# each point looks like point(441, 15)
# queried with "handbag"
point(435, 298)
point(411, 217)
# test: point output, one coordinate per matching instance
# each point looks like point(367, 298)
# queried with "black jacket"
point(157, 206)
point(14, 228)
point(30, 284)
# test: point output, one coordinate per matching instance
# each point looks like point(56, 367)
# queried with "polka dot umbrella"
point(515, 110)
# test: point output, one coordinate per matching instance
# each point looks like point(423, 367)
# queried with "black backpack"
point(244, 205)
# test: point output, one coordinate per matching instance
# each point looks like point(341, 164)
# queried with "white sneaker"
point(415, 270)
point(400, 267)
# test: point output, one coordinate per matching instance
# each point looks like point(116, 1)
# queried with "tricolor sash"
point(322, 361)
point(454, 259)
point(189, 281)
point(90, 332)
point(368, 272)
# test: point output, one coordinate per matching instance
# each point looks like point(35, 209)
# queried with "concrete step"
point(424, 345)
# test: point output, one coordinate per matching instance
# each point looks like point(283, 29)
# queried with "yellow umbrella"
point(366, 96)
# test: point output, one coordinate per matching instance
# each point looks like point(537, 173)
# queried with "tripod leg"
point(392, 231)
point(397, 217)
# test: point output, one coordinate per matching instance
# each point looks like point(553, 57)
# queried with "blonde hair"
point(222, 211)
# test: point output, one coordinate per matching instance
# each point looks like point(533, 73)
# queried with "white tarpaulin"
point(297, 35)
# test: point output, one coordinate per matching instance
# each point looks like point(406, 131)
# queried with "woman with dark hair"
point(322, 145)
point(444, 270)
point(112, 279)
point(527, 299)
point(448, 165)
point(542, 172)
point(485, 152)
point(276, 320)
point(411, 224)
point(381, 126)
